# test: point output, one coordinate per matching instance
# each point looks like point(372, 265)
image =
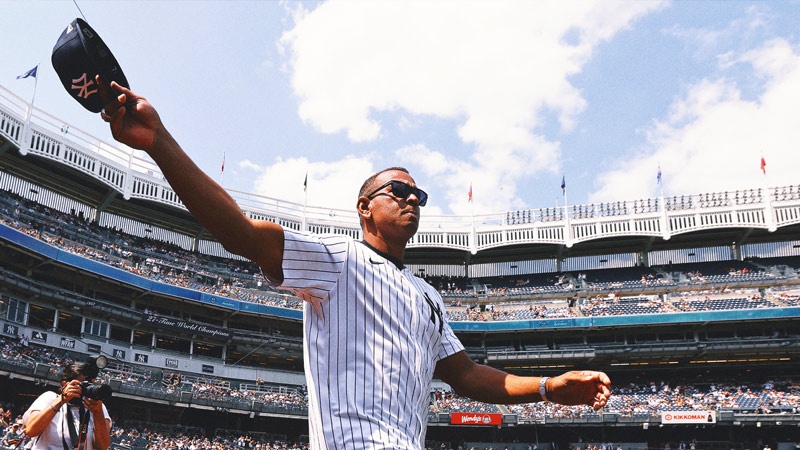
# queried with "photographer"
point(75, 417)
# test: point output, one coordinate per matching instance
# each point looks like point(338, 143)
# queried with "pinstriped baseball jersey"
point(373, 335)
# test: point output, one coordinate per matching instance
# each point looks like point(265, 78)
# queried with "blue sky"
point(506, 96)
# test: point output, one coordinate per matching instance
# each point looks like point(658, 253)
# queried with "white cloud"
point(495, 69)
point(250, 165)
point(741, 32)
point(713, 138)
point(330, 184)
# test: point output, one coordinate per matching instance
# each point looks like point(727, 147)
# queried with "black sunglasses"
point(403, 190)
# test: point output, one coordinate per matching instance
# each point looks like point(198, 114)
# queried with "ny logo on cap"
point(84, 91)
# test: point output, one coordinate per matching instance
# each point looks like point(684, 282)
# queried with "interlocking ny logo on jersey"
point(83, 89)
point(435, 312)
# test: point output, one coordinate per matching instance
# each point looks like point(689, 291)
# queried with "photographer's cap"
point(78, 56)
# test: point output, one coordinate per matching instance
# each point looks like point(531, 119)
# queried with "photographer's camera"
point(95, 391)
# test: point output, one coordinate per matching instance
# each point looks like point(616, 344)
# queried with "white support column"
point(769, 212)
point(665, 230)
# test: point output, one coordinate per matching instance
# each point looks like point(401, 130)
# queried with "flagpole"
point(770, 213)
point(474, 245)
point(663, 206)
point(305, 202)
point(222, 171)
point(26, 130)
point(35, 86)
point(568, 229)
point(471, 205)
point(764, 182)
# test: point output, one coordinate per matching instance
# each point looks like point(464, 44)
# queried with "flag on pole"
point(305, 183)
point(658, 177)
point(563, 184)
point(30, 73)
point(764, 165)
point(470, 193)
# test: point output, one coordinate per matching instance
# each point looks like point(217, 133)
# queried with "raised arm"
point(136, 123)
point(489, 385)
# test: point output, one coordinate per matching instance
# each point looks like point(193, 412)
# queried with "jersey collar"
point(398, 263)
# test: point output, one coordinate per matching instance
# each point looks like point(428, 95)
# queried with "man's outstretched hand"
point(132, 118)
point(580, 387)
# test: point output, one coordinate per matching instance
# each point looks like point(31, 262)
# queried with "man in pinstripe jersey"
point(374, 334)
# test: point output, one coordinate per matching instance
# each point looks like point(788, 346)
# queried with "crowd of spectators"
point(216, 388)
point(156, 260)
point(12, 432)
point(445, 401)
point(713, 299)
point(241, 280)
point(196, 439)
point(722, 199)
point(631, 400)
point(532, 312)
point(613, 305)
point(22, 353)
point(776, 396)
point(607, 209)
point(465, 314)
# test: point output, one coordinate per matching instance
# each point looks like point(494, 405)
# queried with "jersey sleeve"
point(313, 264)
point(450, 343)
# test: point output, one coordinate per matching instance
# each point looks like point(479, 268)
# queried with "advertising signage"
point(688, 417)
point(460, 418)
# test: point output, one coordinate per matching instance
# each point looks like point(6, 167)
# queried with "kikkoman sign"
point(681, 417)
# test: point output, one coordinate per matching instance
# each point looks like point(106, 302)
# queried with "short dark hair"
point(76, 369)
point(369, 182)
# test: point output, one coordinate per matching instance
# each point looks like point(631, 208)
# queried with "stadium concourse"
point(689, 303)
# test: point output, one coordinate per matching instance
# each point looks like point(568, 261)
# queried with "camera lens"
point(95, 391)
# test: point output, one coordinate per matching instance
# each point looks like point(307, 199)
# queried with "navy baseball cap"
point(79, 55)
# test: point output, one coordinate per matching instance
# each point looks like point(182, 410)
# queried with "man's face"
point(394, 214)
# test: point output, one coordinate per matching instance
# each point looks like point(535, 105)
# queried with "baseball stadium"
point(689, 303)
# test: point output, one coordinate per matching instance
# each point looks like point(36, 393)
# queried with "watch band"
point(543, 388)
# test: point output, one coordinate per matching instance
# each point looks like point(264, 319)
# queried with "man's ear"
point(363, 207)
